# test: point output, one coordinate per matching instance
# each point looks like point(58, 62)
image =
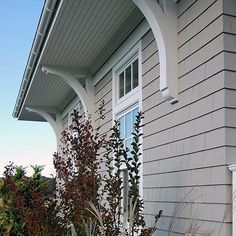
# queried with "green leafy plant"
point(27, 206)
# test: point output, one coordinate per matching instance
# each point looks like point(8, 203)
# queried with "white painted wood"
point(100, 43)
point(232, 168)
point(70, 76)
point(52, 92)
point(57, 126)
point(164, 27)
point(84, 25)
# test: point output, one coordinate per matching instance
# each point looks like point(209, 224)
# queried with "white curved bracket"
point(45, 113)
point(70, 76)
point(163, 22)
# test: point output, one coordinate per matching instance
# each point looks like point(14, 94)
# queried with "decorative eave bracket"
point(47, 114)
point(162, 18)
point(71, 77)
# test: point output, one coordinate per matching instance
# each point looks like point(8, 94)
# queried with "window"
point(128, 78)
point(127, 101)
point(127, 121)
point(126, 126)
point(127, 81)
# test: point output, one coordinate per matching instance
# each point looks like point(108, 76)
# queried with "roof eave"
point(44, 25)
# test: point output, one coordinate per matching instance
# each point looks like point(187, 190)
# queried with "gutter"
point(45, 22)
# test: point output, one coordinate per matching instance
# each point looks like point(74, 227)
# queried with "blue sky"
point(22, 142)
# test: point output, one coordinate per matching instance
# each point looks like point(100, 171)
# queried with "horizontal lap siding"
point(103, 92)
point(189, 144)
point(230, 74)
point(229, 8)
point(66, 118)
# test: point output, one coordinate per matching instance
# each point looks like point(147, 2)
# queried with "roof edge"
point(47, 16)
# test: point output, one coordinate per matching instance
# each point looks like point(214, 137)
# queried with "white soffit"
point(83, 29)
point(81, 36)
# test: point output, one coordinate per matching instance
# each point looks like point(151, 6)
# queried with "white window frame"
point(123, 69)
point(131, 100)
point(134, 96)
point(122, 114)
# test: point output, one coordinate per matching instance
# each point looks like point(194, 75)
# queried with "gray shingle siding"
point(193, 140)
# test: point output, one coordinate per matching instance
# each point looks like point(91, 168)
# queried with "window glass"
point(128, 125)
point(126, 128)
point(135, 113)
point(135, 74)
point(128, 79)
point(121, 85)
point(128, 145)
point(122, 127)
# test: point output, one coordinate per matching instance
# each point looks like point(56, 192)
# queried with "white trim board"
point(232, 168)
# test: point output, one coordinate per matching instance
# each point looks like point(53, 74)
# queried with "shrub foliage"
point(27, 203)
point(88, 200)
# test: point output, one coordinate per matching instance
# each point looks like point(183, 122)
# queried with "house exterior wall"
point(188, 145)
point(65, 115)
point(229, 27)
point(103, 92)
point(185, 157)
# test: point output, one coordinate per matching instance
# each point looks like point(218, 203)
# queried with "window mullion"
point(132, 76)
point(124, 82)
point(124, 127)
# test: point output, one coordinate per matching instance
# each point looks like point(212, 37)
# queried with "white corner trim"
point(164, 28)
point(69, 76)
point(232, 168)
point(56, 125)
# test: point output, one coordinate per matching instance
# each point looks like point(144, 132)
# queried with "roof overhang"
point(72, 34)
